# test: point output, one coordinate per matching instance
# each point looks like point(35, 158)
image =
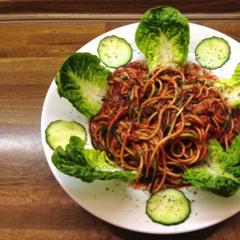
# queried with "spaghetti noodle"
point(159, 124)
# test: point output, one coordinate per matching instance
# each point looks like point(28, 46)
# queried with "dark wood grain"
point(32, 204)
point(118, 6)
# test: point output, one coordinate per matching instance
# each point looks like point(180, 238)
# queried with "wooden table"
point(32, 204)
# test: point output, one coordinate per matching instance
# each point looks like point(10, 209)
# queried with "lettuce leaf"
point(88, 164)
point(220, 173)
point(163, 36)
point(231, 87)
point(83, 81)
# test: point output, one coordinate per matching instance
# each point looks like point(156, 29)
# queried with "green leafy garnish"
point(220, 173)
point(231, 87)
point(88, 164)
point(83, 81)
point(163, 36)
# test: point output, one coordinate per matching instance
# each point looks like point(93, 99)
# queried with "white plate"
point(116, 202)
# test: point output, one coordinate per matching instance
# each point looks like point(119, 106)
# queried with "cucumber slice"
point(114, 51)
point(168, 207)
point(212, 52)
point(59, 132)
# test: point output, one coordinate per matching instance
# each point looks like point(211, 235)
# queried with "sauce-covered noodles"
point(159, 124)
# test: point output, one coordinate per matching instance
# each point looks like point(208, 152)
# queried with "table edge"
point(97, 16)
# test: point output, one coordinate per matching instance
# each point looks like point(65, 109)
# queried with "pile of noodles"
point(159, 124)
